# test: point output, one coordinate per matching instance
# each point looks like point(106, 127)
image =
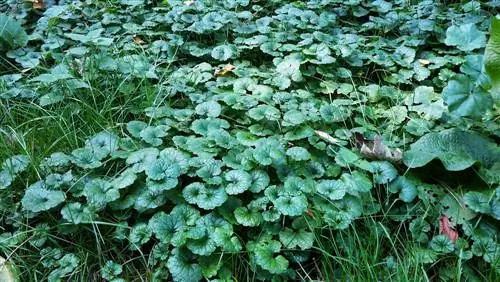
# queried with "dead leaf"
point(138, 40)
point(447, 229)
point(327, 137)
point(424, 62)
point(377, 150)
point(38, 4)
point(224, 71)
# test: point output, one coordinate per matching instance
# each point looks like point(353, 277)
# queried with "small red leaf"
point(446, 228)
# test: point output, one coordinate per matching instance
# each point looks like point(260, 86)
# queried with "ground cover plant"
point(240, 140)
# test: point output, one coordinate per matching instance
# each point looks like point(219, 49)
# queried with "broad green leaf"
point(492, 53)
point(37, 198)
point(296, 238)
point(99, 193)
point(442, 244)
point(477, 202)
point(291, 205)
point(182, 266)
point(333, 189)
point(465, 37)
point(223, 52)
point(298, 153)
point(12, 34)
point(16, 164)
point(239, 181)
point(247, 217)
point(465, 99)
point(6, 179)
point(457, 150)
point(76, 213)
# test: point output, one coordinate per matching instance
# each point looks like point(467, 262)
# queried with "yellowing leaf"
point(227, 70)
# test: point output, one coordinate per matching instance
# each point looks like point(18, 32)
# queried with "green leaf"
point(16, 164)
point(247, 217)
point(442, 244)
point(291, 205)
point(492, 53)
point(12, 34)
point(142, 159)
point(224, 52)
point(457, 150)
point(357, 181)
point(76, 213)
point(135, 127)
point(465, 99)
point(163, 168)
point(205, 198)
point(264, 257)
point(333, 189)
point(6, 179)
point(407, 188)
point(100, 192)
point(478, 202)
point(260, 181)
point(37, 198)
point(239, 181)
point(111, 270)
point(298, 153)
point(289, 68)
point(465, 37)
point(103, 143)
point(209, 109)
point(153, 134)
point(383, 172)
point(182, 267)
point(85, 158)
point(139, 235)
point(296, 238)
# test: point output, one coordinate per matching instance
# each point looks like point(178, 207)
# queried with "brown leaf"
point(224, 71)
point(38, 4)
point(327, 137)
point(138, 40)
point(424, 62)
point(377, 150)
point(447, 229)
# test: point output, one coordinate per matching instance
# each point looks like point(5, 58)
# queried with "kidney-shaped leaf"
point(457, 150)
point(464, 99)
point(466, 37)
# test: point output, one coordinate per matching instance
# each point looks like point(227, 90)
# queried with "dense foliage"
point(267, 133)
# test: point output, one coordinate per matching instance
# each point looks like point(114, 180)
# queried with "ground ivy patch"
point(257, 130)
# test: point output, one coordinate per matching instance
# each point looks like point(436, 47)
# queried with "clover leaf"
point(466, 37)
point(37, 198)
